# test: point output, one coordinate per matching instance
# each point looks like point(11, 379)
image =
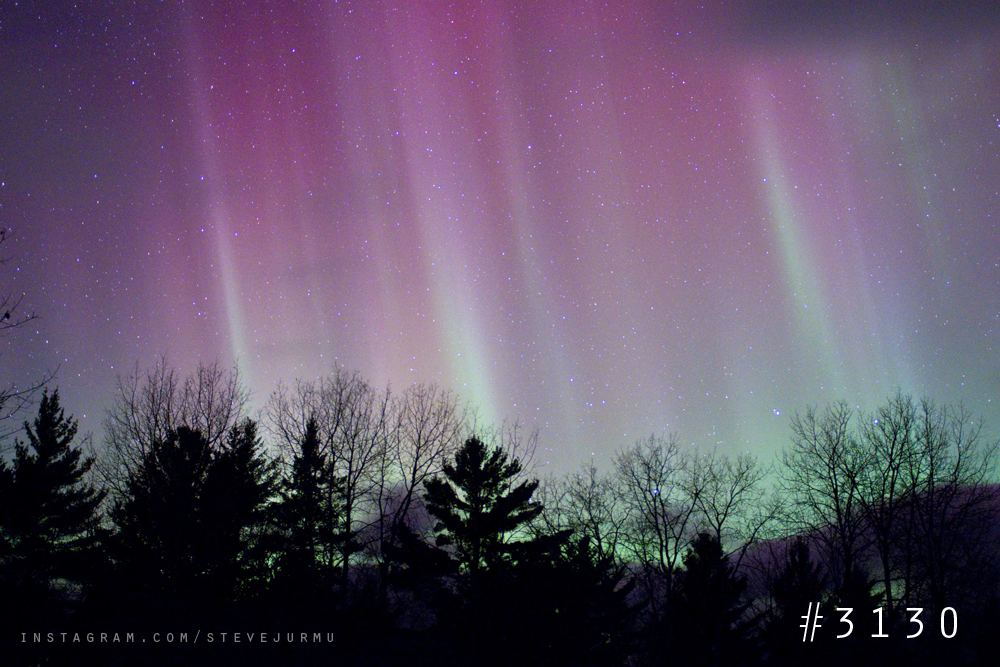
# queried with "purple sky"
point(606, 219)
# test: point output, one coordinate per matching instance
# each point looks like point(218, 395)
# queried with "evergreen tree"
point(704, 622)
point(857, 591)
point(562, 605)
point(799, 585)
point(241, 486)
point(308, 515)
point(477, 507)
point(163, 538)
point(48, 516)
point(49, 530)
point(488, 578)
point(192, 520)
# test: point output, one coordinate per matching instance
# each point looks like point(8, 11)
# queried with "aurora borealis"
point(604, 219)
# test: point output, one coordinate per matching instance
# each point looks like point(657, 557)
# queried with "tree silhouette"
point(240, 489)
point(819, 474)
point(49, 514)
point(510, 595)
point(704, 621)
point(587, 503)
point(307, 517)
point(799, 584)
point(563, 604)
point(191, 520)
point(162, 535)
point(49, 521)
point(470, 574)
point(426, 429)
point(151, 403)
point(477, 507)
point(651, 478)
point(352, 421)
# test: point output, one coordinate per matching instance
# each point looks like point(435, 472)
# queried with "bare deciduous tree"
point(730, 499)
point(150, 403)
point(586, 502)
point(517, 441)
point(15, 396)
point(885, 450)
point(353, 421)
point(950, 544)
point(818, 476)
point(649, 478)
point(428, 427)
point(911, 487)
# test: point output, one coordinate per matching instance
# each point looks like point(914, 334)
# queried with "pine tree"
point(531, 600)
point(241, 486)
point(49, 523)
point(564, 605)
point(480, 508)
point(48, 515)
point(477, 508)
point(309, 513)
point(800, 585)
point(162, 537)
point(193, 516)
point(704, 622)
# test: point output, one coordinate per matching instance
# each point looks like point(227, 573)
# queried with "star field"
point(604, 219)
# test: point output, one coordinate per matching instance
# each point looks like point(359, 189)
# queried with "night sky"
point(606, 219)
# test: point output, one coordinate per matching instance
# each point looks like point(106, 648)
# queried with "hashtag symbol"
point(811, 619)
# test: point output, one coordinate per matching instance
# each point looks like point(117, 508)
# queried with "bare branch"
point(151, 402)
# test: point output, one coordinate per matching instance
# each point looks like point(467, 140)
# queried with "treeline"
point(353, 525)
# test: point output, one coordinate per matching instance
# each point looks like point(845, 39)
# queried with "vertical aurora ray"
point(806, 303)
point(546, 355)
point(866, 340)
point(836, 233)
point(905, 127)
point(366, 102)
point(557, 210)
point(231, 293)
point(887, 366)
point(442, 180)
point(221, 238)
